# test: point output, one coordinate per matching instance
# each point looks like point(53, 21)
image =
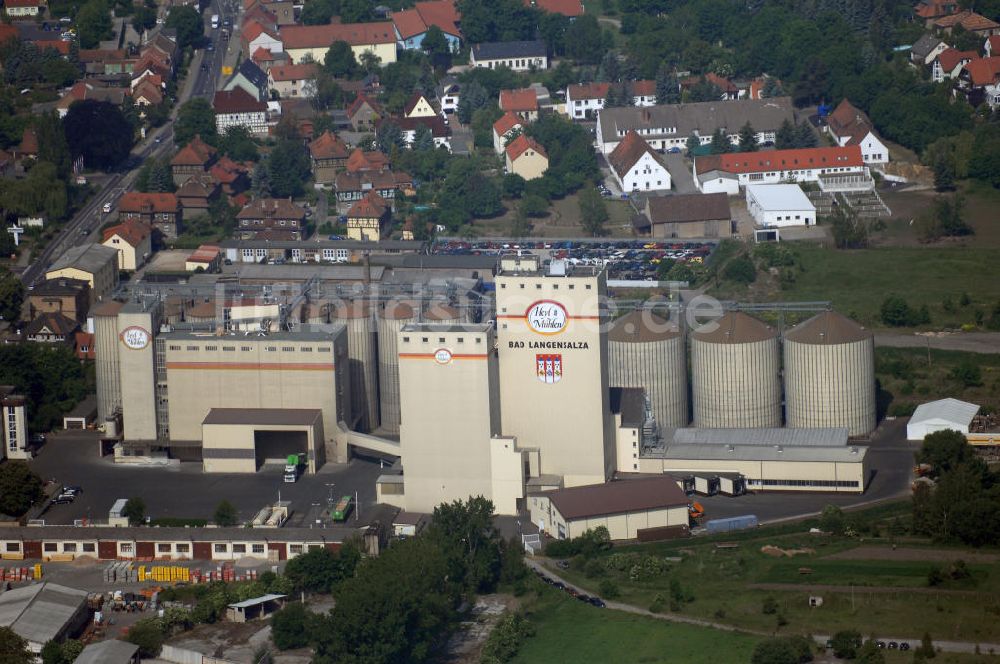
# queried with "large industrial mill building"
point(508, 402)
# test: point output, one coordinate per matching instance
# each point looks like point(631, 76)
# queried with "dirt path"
point(972, 342)
point(913, 554)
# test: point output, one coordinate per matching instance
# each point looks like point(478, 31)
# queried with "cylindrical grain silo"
point(391, 320)
point(735, 373)
point(830, 375)
point(356, 316)
point(647, 351)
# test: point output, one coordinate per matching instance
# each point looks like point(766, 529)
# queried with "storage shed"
point(255, 608)
point(780, 205)
point(940, 415)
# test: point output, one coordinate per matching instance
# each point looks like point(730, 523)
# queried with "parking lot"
point(184, 491)
point(636, 260)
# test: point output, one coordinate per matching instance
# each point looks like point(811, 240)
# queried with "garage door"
point(202, 550)
point(32, 549)
point(107, 550)
point(280, 548)
point(144, 550)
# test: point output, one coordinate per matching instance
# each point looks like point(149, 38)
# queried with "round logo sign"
point(135, 337)
point(546, 317)
point(442, 356)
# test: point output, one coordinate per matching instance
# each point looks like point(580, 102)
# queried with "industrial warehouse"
point(511, 389)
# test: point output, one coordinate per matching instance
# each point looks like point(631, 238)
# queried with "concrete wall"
point(565, 416)
point(205, 372)
point(109, 390)
point(136, 373)
point(620, 526)
point(757, 472)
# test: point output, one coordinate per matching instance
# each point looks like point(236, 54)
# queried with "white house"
point(257, 36)
point(780, 205)
point(448, 94)
point(237, 108)
point(940, 415)
point(504, 129)
point(21, 8)
point(949, 62)
point(925, 49)
point(726, 173)
point(584, 100)
point(637, 167)
point(517, 55)
point(850, 126)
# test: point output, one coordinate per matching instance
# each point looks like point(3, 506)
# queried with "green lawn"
point(718, 584)
point(566, 630)
point(912, 376)
point(858, 281)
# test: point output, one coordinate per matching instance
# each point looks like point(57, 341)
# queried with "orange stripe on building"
point(251, 366)
point(521, 316)
point(430, 356)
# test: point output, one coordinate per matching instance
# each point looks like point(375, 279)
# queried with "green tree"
point(513, 185)
point(369, 61)
point(506, 638)
point(533, 205)
point(832, 520)
point(423, 139)
point(20, 488)
point(225, 514)
point(968, 374)
point(238, 144)
point(260, 183)
point(693, 143)
point(187, 21)
point(593, 212)
point(289, 169)
point(14, 649)
point(846, 643)
point(741, 270)
point(318, 570)
point(144, 18)
point(668, 90)
point(748, 138)
point(356, 11)
point(11, 295)
point(97, 131)
point(782, 650)
point(805, 137)
point(721, 143)
point(52, 145)
point(926, 649)
point(704, 90)
point(434, 42)
point(148, 634)
point(319, 12)
point(784, 138)
point(465, 533)
point(135, 512)
point(474, 97)
point(195, 118)
point(584, 40)
point(944, 173)
point(944, 451)
point(93, 23)
point(339, 61)
point(292, 626)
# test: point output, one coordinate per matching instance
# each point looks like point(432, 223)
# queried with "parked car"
point(107, 207)
point(63, 499)
point(71, 490)
point(674, 150)
point(598, 602)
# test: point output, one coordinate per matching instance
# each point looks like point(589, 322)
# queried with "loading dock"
point(241, 440)
point(706, 485)
point(732, 484)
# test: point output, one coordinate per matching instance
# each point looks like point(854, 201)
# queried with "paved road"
point(946, 646)
point(79, 230)
point(972, 342)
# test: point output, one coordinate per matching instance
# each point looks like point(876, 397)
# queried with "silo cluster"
point(735, 373)
point(830, 374)
point(394, 315)
point(644, 350)
point(357, 317)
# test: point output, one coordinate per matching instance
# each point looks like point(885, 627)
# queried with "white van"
point(215, 21)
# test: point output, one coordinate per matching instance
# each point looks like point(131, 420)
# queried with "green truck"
point(342, 509)
point(293, 467)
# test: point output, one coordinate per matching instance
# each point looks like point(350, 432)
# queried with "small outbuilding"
point(255, 608)
point(940, 415)
point(627, 508)
point(44, 612)
point(109, 652)
point(780, 205)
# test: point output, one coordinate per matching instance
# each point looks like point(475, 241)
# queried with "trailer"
point(706, 485)
point(686, 484)
point(731, 524)
point(732, 484)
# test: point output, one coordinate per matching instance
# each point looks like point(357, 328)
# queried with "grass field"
point(912, 375)
point(566, 630)
point(718, 585)
point(858, 281)
point(562, 221)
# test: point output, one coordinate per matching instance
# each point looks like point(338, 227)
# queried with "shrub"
point(740, 270)
point(769, 606)
point(505, 639)
point(846, 643)
point(291, 626)
point(608, 589)
point(148, 634)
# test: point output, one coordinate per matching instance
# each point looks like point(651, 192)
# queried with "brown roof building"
point(329, 156)
point(192, 159)
point(271, 214)
point(162, 211)
point(51, 328)
point(369, 218)
point(69, 297)
point(687, 216)
point(354, 186)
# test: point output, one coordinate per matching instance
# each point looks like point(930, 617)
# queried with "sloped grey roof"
point(107, 652)
point(87, 257)
point(702, 117)
point(841, 454)
point(512, 49)
point(950, 410)
point(39, 612)
point(923, 46)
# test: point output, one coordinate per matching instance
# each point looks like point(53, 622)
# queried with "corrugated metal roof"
point(107, 652)
point(735, 327)
point(950, 410)
point(764, 453)
point(40, 611)
point(827, 327)
point(256, 601)
point(829, 437)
